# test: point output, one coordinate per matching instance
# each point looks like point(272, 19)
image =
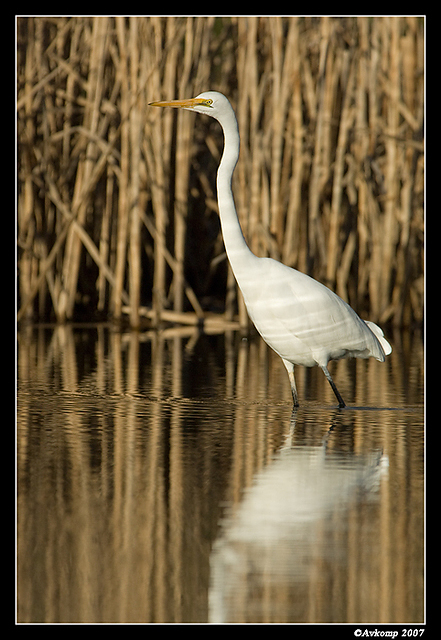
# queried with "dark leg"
point(341, 403)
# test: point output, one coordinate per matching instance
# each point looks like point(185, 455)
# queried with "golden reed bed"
point(117, 212)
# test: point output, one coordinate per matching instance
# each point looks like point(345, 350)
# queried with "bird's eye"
point(208, 102)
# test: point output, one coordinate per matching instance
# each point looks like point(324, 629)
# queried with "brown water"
point(163, 477)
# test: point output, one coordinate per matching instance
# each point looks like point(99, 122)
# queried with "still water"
point(163, 477)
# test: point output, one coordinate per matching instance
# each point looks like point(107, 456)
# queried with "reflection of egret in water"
point(129, 446)
point(274, 548)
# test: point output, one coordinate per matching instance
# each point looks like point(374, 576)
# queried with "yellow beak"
point(190, 103)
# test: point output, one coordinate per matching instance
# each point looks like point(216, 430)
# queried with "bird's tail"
point(378, 333)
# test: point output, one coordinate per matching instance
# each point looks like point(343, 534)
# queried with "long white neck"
point(237, 249)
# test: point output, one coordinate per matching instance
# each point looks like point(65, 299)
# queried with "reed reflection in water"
point(148, 462)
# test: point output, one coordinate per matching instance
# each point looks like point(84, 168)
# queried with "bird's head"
point(211, 103)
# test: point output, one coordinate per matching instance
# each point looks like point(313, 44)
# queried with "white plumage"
point(301, 319)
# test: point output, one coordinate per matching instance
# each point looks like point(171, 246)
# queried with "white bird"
point(302, 320)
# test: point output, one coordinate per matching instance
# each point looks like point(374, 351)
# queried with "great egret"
point(301, 319)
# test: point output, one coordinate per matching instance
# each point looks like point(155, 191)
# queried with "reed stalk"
point(116, 203)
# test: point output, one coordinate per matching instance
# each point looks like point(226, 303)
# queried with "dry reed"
point(116, 201)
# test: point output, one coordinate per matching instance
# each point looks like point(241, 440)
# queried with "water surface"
point(163, 477)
